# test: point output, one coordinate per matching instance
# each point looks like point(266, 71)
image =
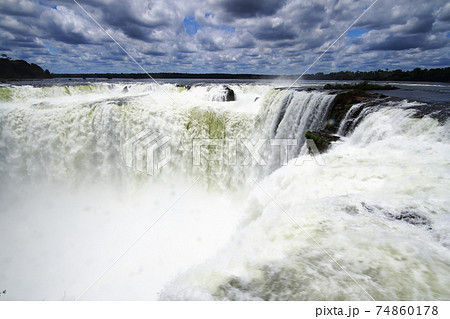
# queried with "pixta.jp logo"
point(147, 152)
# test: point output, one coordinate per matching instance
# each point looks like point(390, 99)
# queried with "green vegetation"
point(206, 123)
point(363, 86)
point(322, 144)
point(20, 69)
point(84, 88)
point(416, 75)
point(321, 139)
point(5, 94)
point(66, 90)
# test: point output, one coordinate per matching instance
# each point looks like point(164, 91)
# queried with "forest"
point(20, 69)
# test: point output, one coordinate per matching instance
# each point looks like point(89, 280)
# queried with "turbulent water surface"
point(231, 206)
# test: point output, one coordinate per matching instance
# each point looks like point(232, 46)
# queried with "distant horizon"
point(257, 74)
point(21, 69)
point(417, 74)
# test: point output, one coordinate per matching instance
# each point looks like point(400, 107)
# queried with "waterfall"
point(359, 111)
point(288, 114)
point(76, 133)
point(210, 187)
point(379, 207)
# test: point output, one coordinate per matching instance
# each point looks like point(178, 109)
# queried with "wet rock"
point(363, 86)
point(370, 209)
point(187, 87)
point(322, 139)
point(411, 217)
point(224, 94)
point(407, 215)
point(229, 95)
point(342, 104)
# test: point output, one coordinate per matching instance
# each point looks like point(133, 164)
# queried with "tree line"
point(20, 69)
point(416, 75)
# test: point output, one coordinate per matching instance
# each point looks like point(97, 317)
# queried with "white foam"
point(69, 206)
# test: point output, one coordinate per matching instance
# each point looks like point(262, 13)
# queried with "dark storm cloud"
point(23, 42)
point(22, 8)
point(251, 8)
point(15, 26)
point(444, 13)
point(405, 14)
point(416, 25)
point(136, 19)
point(66, 34)
point(154, 53)
point(123, 13)
point(277, 33)
point(71, 37)
point(307, 15)
point(409, 28)
point(405, 42)
point(209, 44)
point(136, 32)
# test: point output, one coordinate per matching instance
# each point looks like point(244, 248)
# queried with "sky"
point(226, 36)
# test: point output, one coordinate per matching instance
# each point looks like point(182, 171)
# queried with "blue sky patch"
point(47, 5)
point(354, 33)
point(51, 48)
point(190, 25)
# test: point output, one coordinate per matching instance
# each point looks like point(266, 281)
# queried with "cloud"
point(21, 8)
point(233, 35)
point(278, 32)
point(250, 8)
point(443, 13)
point(408, 41)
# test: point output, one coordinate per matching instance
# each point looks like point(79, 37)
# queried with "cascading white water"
point(288, 115)
point(69, 204)
point(75, 133)
point(379, 208)
point(360, 110)
point(351, 119)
